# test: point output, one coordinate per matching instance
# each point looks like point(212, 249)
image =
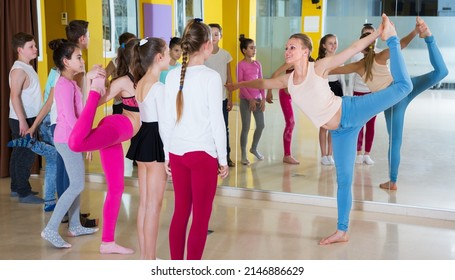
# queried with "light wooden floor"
point(271, 213)
point(244, 229)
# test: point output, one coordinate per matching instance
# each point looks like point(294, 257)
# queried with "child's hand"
point(262, 105)
point(97, 70)
point(229, 105)
point(269, 97)
point(167, 167)
point(223, 171)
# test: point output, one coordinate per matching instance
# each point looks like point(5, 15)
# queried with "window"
point(184, 11)
point(119, 16)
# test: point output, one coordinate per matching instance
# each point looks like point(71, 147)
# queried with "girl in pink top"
point(251, 100)
point(68, 58)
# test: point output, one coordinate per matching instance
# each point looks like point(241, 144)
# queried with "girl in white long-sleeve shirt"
point(194, 140)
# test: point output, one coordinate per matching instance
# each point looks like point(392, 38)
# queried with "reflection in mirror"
point(427, 152)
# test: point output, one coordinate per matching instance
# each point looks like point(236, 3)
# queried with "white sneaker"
point(359, 159)
point(325, 160)
point(331, 160)
point(367, 159)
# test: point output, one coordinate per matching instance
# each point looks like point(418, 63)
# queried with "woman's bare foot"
point(391, 186)
point(422, 28)
point(338, 236)
point(388, 28)
point(290, 159)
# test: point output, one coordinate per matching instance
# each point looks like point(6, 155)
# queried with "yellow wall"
point(214, 14)
point(310, 9)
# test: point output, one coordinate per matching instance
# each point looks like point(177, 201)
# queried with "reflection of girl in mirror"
point(151, 56)
point(251, 100)
point(107, 137)
point(68, 98)
point(194, 141)
point(344, 116)
point(395, 115)
point(328, 47)
point(288, 113)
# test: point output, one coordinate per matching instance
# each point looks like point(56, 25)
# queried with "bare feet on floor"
point(114, 248)
point(338, 236)
point(389, 186)
point(290, 159)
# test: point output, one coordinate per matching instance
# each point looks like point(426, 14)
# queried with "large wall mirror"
point(426, 176)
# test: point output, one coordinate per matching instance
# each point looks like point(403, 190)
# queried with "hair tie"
point(180, 87)
point(122, 45)
point(143, 41)
point(198, 19)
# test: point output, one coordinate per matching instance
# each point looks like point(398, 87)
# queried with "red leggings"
point(369, 131)
point(194, 176)
point(288, 113)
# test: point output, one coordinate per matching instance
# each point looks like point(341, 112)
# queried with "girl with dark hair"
point(68, 98)
point(175, 52)
point(194, 141)
point(251, 100)
point(107, 137)
point(343, 116)
point(151, 56)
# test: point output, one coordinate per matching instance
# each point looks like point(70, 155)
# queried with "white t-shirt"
point(31, 96)
point(218, 62)
point(201, 127)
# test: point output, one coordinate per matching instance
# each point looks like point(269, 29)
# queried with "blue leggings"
point(394, 116)
point(356, 111)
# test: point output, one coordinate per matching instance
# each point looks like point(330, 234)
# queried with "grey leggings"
point(245, 113)
point(70, 200)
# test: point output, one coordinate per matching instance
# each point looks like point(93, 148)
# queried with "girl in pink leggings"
point(107, 137)
point(288, 113)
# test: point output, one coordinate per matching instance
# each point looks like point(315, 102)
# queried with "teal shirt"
point(164, 73)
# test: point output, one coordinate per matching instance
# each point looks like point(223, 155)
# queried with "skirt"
point(146, 145)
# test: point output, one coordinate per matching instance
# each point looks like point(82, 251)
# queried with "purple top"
point(247, 71)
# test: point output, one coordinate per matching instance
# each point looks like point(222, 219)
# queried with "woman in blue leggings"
point(394, 116)
point(344, 116)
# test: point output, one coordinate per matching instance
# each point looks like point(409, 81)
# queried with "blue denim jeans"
point(46, 148)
